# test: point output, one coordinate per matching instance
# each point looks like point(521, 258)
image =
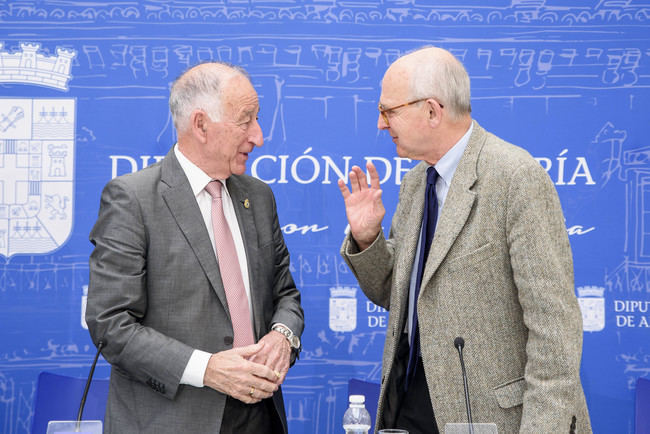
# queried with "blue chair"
point(642, 406)
point(58, 398)
point(371, 392)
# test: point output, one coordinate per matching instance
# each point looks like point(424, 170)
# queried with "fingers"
point(345, 192)
point(249, 350)
point(374, 176)
point(278, 356)
point(263, 387)
point(251, 394)
point(259, 357)
point(230, 373)
point(262, 371)
point(376, 196)
point(359, 180)
point(258, 389)
point(279, 364)
point(253, 388)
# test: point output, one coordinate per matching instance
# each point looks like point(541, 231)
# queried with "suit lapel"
point(248, 229)
point(413, 194)
point(183, 207)
point(458, 205)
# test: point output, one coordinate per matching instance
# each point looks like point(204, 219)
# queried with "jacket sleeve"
point(118, 296)
point(286, 297)
point(542, 267)
point(373, 267)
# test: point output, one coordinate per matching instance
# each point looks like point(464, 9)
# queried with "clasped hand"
point(250, 373)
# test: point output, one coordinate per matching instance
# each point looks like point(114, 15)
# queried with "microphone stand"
point(100, 345)
point(459, 343)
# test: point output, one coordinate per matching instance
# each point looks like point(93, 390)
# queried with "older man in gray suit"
point(190, 290)
point(491, 263)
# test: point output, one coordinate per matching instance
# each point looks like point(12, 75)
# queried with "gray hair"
point(437, 73)
point(200, 87)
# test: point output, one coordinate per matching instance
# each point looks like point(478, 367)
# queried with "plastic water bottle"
point(356, 419)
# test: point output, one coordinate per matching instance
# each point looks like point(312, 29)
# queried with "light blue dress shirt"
point(446, 167)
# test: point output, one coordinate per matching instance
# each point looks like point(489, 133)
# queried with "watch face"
point(295, 342)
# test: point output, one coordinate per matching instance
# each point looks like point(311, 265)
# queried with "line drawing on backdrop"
point(628, 284)
point(316, 66)
point(566, 14)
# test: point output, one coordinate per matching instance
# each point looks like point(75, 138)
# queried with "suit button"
point(227, 340)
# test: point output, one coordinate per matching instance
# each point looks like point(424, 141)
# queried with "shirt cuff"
point(195, 369)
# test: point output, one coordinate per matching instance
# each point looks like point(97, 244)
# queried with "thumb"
point(249, 350)
point(376, 196)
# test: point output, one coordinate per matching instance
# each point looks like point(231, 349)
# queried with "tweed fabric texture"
point(500, 275)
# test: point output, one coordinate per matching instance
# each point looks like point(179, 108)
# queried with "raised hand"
point(363, 205)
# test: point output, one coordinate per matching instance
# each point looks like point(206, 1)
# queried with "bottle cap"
point(357, 399)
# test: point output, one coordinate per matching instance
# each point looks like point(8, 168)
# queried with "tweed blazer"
point(500, 275)
point(155, 294)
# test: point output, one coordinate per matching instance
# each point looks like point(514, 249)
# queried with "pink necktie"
point(230, 271)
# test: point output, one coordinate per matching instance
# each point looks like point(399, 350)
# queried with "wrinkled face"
point(230, 140)
point(407, 125)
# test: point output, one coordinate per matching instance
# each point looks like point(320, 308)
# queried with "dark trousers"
point(241, 418)
point(408, 409)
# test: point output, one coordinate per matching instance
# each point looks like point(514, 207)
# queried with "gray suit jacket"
point(500, 275)
point(155, 294)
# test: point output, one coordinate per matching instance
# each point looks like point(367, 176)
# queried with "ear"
point(435, 112)
point(199, 124)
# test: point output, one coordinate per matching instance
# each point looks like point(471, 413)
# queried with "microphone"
point(100, 345)
point(459, 343)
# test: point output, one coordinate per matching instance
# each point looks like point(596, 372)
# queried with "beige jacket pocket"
point(511, 394)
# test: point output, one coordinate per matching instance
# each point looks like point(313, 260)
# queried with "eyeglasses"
point(384, 111)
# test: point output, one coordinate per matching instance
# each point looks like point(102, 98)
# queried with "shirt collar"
point(198, 178)
point(447, 165)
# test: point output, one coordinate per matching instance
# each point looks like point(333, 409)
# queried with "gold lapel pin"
point(247, 204)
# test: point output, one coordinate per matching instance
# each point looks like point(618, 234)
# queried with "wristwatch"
point(294, 341)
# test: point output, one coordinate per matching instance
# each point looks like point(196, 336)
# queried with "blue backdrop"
point(83, 98)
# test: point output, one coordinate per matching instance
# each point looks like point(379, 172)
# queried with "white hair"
point(200, 87)
point(436, 73)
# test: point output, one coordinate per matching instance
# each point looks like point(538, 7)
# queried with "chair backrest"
point(58, 398)
point(370, 391)
point(642, 406)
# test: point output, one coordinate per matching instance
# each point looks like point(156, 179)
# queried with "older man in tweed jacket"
point(498, 272)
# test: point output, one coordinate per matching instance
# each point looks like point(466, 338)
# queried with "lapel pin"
point(247, 204)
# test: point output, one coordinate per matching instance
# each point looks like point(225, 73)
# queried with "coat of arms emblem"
point(343, 309)
point(36, 174)
point(592, 305)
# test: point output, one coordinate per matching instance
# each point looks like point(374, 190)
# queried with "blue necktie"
point(429, 218)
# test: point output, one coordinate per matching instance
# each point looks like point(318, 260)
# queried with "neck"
point(190, 151)
point(450, 132)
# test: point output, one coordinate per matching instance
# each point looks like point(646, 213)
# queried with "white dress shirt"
point(198, 179)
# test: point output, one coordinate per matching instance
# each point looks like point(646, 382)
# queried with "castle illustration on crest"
point(28, 66)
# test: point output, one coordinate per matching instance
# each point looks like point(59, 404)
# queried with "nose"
point(381, 123)
point(256, 137)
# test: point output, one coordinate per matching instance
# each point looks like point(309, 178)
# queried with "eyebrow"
point(249, 113)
